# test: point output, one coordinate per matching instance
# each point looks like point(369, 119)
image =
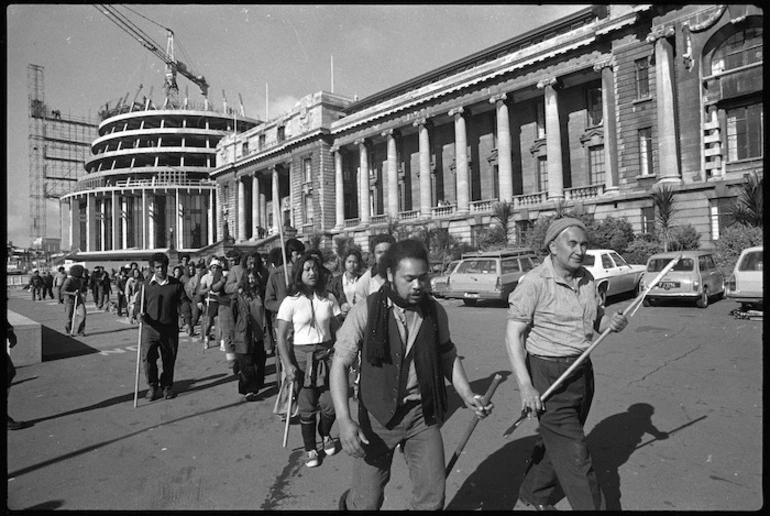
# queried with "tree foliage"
point(664, 201)
point(684, 238)
point(502, 213)
point(732, 241)
point(748, 209)
point(612, 233)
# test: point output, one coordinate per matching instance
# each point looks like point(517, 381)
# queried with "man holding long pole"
point(553, 314)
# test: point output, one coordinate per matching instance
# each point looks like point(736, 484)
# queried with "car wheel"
point(469, 302)
point(647, 301)
point(703, 302)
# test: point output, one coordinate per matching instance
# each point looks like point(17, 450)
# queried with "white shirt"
point(299, 312)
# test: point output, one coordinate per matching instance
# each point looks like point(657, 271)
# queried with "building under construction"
point(58, 147)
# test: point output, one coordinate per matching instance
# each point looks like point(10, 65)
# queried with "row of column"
point(118, 210)
point(258, 204)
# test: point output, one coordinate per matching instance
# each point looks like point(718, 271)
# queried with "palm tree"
point(502, 212)
point(748, 207)
point(664, 202)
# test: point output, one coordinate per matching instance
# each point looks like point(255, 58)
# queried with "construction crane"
point(173, 65)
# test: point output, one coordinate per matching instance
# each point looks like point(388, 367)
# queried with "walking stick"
point(74, 316)
point(139, 348)
point(288, 414)
point(205, 338)
point(474, 421)
point(630, 310)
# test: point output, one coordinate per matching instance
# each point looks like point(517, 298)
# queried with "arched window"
point(740, 49)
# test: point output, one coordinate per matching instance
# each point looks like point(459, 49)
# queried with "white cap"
point(214, 261)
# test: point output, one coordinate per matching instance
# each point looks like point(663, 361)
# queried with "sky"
point(284, 51)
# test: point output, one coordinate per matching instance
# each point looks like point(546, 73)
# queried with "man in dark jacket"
point(403, 335)
point(48, 284)
point(160, 331)
point(36, 285)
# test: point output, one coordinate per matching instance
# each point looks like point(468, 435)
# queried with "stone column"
point(179, 218)
point(210, 229)
point(115, 220)
point(263, 208)
point(74, 219)
point(125, 216)
point(504, 164)
point(423, 134)
point(255, 219)
point(290, 177)
point(89, 224)
point(145, 217)
point(339, 191)
point(241, 213)
point(461, 159)
point(668, 162)
point(363, 183)
point(151, 225)
point(610, 127)
point(553, 138)
point(392, 173)
point(276, 201)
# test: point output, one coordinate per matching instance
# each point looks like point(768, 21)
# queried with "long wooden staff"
point(205, 338)
point(631, 309)
point(279, 222)
point(139, 347)
point(472, 425)
point(74, 314)
point(288, 414)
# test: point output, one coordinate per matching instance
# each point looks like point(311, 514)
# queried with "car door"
point(609, 271)
point(625, 278)
point(712, 277)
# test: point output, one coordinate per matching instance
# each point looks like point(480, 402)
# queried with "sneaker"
point(311, 461)
point(17, 425)
point(168, 393)
point(330, 446)
point(153, 393)
point(252, 396)
point(81, 334)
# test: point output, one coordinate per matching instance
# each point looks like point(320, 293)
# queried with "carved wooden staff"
point(472, 425)
point(629, 311)
point(139, 348)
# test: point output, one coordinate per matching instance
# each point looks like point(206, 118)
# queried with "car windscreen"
point(751, 262)
point(477, 267)
point(510, 265)
point(589, 260)
point(684, 265)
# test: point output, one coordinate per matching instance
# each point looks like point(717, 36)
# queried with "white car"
point(612, 273)
point(745, 283)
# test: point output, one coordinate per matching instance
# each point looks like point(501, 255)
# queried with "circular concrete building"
point(147, 182)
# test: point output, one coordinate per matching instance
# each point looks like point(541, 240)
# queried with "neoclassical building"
point(591, 111)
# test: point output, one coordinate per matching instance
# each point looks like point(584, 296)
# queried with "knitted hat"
point(559, 225)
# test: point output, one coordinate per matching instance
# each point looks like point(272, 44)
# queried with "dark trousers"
point(10, 371)
point(69, 308)
point(252, 369)
point(122, 304)
point(560, 457)
point(163, 341)
point(102, 295)
point(37, 292)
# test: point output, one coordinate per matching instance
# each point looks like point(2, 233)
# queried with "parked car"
point(489, 275)
point(613, 275)
point(438, 283)
point(695, 277)
point(745, 283)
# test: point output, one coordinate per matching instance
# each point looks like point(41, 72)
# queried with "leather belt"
point(562, 360)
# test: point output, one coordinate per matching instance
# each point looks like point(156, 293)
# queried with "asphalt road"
point(693, 374)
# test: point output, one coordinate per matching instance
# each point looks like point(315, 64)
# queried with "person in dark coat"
point(48, 284)
point(10, 373)
point(36, 285)
point(74, 292)
point(248, 335)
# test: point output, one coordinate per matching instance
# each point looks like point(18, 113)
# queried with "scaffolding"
point(59, 146)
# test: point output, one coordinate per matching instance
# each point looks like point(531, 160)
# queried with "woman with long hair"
point(248, 335)
point(344, 285)
point(310, 313)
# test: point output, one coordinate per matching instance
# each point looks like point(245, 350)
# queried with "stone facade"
point(592, 110)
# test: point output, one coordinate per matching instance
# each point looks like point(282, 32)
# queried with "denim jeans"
point(560, 456)
point(424, 453)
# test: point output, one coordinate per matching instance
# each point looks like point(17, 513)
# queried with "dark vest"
point(383, 386)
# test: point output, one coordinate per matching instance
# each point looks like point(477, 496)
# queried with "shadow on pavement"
point(494, 486)
point(127, 328)
point(93, 447)
point(57, 345)
point(46, 506)
point(180, 387)
point(613, 440)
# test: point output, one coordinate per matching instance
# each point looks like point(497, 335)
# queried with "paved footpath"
point(207, 449)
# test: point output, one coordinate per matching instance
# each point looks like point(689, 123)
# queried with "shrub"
point(732, 241)
point(492, 238)
point(612, 233)
point(684, 238)
point(640, 249)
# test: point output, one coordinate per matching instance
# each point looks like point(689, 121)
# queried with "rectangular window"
point(542, 173)
point(540, 114)
point(596, 166)
point(642, 69)
point(262, 140)
point(281, 133)
point(645, 152)
point(648, 220)
point(720, 215)
point(745, 132)
point(308, 209)
point(307, 167)
point(245, 149)
point(594, 106)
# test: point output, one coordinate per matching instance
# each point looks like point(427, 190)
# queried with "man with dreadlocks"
point(403, 334)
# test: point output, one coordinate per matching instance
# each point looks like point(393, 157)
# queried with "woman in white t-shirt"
point(311, 314)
